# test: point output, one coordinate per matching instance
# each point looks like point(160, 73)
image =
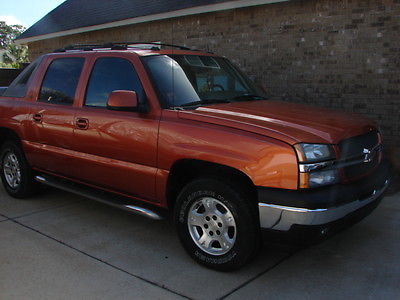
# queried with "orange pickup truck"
point(153, 130)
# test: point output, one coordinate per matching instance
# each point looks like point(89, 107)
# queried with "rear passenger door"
point(117, 148)
point(52, 116)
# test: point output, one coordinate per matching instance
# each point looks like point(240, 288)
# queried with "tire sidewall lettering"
point(216, 260)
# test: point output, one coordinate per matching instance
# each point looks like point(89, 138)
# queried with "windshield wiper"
point(205, 101)
point(248, 97)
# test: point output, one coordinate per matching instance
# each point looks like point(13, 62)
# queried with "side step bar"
point(103, 197)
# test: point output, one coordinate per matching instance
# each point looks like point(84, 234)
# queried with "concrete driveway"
point(61, 246)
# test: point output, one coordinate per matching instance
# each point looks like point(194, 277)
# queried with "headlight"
point(314, 152)
point(316, 165)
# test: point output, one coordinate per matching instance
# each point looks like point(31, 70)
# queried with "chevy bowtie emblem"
point(368, 156)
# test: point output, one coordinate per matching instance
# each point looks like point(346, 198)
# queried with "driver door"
point(117, 149)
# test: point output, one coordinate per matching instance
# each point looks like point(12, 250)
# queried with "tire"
point(16, 174)
point(217, 224)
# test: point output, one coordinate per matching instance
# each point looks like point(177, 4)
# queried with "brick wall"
point(343, 54)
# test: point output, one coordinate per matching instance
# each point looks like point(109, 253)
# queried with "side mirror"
point(123, 100)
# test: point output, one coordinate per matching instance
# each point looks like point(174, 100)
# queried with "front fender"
point(266, 161)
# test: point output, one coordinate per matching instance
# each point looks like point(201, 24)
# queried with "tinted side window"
point(61, 79)
point(110, 74)
point(19, 86)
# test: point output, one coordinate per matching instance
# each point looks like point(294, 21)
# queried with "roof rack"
point(119, 46)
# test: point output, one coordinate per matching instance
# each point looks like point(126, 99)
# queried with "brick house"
point(343, 54)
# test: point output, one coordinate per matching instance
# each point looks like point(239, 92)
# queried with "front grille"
point(355, 146)
point(361, 169)
point(354, 149)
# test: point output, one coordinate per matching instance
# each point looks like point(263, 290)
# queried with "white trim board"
point(155, 17)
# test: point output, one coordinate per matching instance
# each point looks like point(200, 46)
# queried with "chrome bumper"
point(282, 218)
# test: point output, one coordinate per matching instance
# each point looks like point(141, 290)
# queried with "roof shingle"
point(74, 14)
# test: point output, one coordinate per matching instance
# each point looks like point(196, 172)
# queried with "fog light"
point(321, 178)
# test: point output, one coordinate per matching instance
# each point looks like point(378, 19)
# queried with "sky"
point(26, 12)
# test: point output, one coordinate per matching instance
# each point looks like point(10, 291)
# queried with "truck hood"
point(290, 122)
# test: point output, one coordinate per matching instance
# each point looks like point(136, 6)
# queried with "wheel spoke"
point(19, 177)
point(13, 181)
point(205, 240)
point(195, 219)
point(228, 219)
point(225, 242)
point(208, 205)
point(13, 159)
point(7, 170)
point(214, 207)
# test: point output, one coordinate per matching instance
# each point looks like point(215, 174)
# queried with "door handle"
point(37, 118)
point(82, 123)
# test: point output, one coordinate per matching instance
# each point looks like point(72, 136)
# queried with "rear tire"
point(216, 224)
point(16, 174)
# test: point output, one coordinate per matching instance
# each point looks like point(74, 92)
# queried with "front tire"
point(216, 224)
point(16, 174)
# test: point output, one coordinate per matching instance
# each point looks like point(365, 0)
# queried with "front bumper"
point(330, 209)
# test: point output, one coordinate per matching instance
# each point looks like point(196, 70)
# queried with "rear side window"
point(19, 86)
point(110, 74)
point(61, 79)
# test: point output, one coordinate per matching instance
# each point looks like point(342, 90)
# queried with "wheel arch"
point(7, 134)
point(185, 170)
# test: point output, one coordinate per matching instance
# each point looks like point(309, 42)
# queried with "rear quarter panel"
point(14, 114)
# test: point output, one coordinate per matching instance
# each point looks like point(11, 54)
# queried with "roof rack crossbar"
point(78, 47)
point(153, 43)
point(117, 46)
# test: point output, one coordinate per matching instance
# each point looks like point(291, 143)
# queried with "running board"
point(103, 197)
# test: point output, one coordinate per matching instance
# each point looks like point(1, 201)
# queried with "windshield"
point(192, 80)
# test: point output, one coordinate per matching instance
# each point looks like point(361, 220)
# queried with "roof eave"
point(149, 18)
